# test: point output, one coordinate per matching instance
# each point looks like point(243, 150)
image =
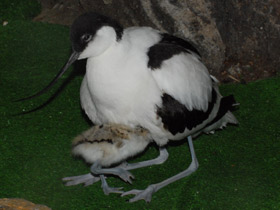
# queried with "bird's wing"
point(188, 96)
point(179, 72)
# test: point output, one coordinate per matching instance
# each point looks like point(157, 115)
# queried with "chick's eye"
point(86, 37)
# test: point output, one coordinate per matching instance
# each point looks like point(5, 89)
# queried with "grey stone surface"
point(228, 33)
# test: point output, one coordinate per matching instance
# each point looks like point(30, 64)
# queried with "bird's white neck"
point(103, 41)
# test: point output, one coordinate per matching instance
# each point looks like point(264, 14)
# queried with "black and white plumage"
point(132, 80)
point(140, 77)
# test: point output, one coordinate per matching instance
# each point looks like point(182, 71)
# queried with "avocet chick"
point(110, 143)
point(107, 145)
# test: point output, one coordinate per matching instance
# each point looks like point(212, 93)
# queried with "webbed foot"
point(86, 179)
point(120, 172)
point(106, 189)
point(141, 194)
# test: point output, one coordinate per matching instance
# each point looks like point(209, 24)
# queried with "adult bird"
point(140, 77)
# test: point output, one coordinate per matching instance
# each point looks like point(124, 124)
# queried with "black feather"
point(88, 24)
point(167, 47)
point(226, 105)
point(176, 117)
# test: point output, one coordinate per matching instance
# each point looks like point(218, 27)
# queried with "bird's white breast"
point(120, 85)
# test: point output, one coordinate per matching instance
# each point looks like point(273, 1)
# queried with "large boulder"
point(235, 38)
point(18, 203)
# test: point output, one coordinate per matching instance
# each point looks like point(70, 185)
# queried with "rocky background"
point(239, 40)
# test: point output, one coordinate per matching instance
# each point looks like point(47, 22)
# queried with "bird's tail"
point(224, 115)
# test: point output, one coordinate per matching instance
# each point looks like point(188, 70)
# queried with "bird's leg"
point(96, 169)
point(122, 173)
point(86, 179)
point(147, 193)
point(106, 189)
point(163, 155)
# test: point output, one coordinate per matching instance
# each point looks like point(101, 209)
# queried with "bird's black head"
point(85, 27)
point(91, 34)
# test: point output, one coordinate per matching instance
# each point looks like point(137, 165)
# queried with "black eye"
point(86, 37)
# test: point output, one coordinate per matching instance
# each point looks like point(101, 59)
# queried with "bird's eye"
point(86, 37)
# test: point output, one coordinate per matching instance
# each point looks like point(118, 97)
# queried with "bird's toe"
point(108, 190)
point(140, 194)
point(86, 179)
point(126, 176)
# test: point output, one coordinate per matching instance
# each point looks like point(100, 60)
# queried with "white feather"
point(186, 79)
point(120, 88)
point(104, 38)
point(126, 142)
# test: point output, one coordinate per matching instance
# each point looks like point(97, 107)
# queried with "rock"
point(250, 31)
point(18, 203)
point(189, 19)
point(226, 32)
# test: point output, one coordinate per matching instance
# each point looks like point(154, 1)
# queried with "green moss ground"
point(239, 166)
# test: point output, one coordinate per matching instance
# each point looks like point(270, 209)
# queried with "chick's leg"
point(107, 189)
point(96, 169)
point(163, 155)
point(86, 179)
point(147, 193)
point(90, 178)
point(125, 175)
point(122, 170)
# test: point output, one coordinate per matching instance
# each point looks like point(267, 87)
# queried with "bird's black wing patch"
point(176, 117)
point(167, 38)
point(167, 47)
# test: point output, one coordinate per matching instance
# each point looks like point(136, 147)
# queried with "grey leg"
point(86, 179)
point(89, 179)
point(122, 173)
point(147, 193)
point(163, 155)
point(106, 189)
point(160, 159)
point(122, 170)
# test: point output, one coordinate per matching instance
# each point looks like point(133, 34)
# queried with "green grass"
point(239, 166)
point(18, 9)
